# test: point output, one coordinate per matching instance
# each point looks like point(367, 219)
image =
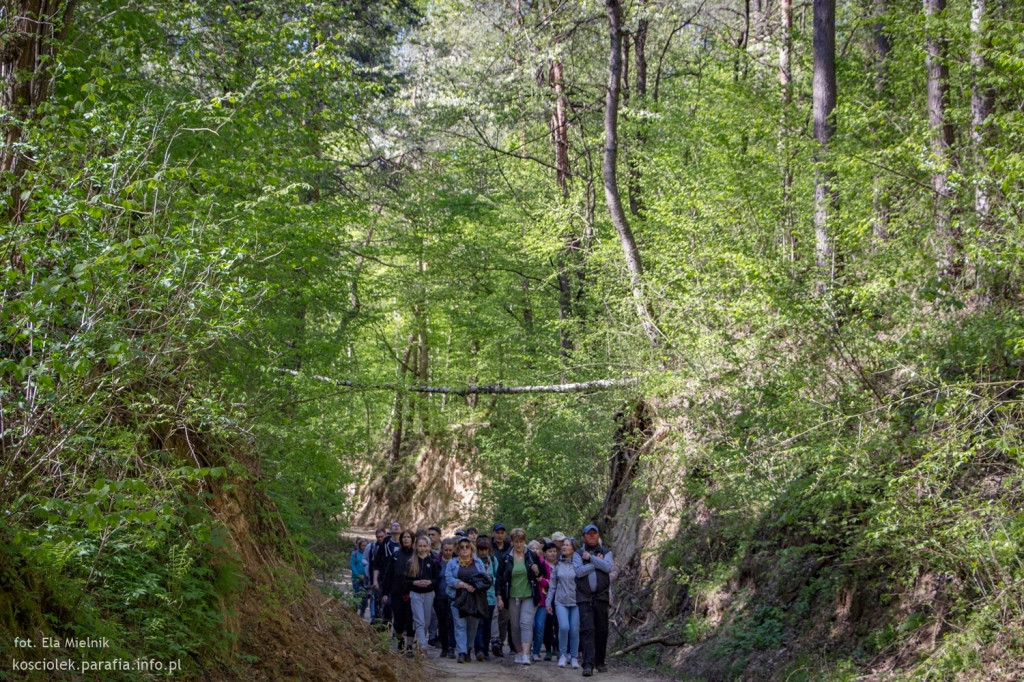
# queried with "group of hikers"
point(471, 595)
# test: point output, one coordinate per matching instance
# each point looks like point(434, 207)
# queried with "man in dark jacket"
point(594, 573)
point(500, 548)
point(385, 554)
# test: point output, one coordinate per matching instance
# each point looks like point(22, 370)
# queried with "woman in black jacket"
point(421, 577)
point(396, 592)
point(519, 592)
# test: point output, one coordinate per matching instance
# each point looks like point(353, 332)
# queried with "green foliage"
point(238, 217)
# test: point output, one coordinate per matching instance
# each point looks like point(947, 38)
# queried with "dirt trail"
point(504, 670)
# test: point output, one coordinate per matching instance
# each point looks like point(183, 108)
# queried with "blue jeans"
point(539, 619)
point(568, 630)
point(465, 631)
point(359, 590)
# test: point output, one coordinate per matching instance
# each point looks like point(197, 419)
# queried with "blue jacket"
point(357, 565)
point(451, 574)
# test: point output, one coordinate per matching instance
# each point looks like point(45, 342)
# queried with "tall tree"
point(824, 93)
point(941, 140)
point(982, 98)
point(610, 179)
point(32, 30)
point(640, 93)
point(881, 46)
point(786, 95)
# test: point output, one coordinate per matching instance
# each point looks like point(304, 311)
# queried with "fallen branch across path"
point(664, 641)
point(495, 389)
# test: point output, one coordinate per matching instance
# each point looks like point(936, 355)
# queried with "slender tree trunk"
point(398, 407)
point(950, 260)
point(608, 174)
point(982, 98)
point(786, 94)
point(559, 127)
point(636, 205)
point(739, 63)
point(825, 196)
point(982, 101)
point(881, 47)
point(29, 51)
point(422, 365)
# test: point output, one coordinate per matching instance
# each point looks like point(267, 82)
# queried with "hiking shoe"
point(480, 656)
point(486, 657)
point(450, 654)
point(563, 661)
point(496, 649)
point(587, 672)
point(462, 658)
point(548, 656)
point(575, 663)
point(536, 658)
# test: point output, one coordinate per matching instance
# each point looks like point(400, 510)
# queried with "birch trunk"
point(824, 87)
point(950, 248)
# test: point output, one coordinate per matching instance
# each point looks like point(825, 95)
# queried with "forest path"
point(506, 669)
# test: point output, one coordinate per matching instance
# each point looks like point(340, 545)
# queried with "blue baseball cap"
point(498, 526)
point(589, 528)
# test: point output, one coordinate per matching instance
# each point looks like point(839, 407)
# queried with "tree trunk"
point(608, 174)
point(398, 408)
point(422, 364)
point(982, 98)
point(636, 205)
point(941, 141)
point(29, 51)
point(881, 46)
point(786, 94)
point(559, 127)
point(825, 196)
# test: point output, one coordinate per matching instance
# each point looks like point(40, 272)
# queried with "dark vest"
point(604, 582)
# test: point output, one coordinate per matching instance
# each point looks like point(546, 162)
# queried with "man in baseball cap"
point(594, 571)
point(499, 550)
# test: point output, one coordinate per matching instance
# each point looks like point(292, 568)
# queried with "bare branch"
point(494, 389)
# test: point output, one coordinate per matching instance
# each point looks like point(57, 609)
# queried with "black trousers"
point(445, 624)
point(401, 611)
point(593, 633)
